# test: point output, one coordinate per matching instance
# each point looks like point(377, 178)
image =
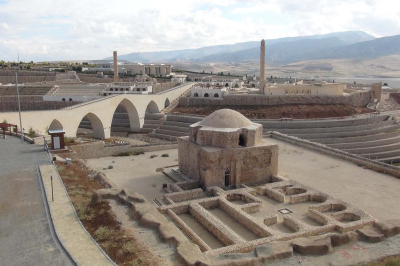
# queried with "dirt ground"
point(276, 112)
point(138, 172)
point(120, 244)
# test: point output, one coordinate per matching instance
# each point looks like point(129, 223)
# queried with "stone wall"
point(24, 76)
point(31, 103)
point(357, 99)
point(156, 147)
point(99, 149)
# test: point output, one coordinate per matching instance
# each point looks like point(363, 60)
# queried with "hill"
point(348, 37)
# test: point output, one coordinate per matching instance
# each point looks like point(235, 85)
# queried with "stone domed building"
point(226, 149)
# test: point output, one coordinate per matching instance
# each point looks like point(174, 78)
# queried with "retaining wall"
point(357, 99)
point(98, 149)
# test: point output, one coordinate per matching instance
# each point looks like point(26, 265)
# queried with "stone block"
point(389, 228)
point(370, 234)
point(312, 246)
point(275, 250)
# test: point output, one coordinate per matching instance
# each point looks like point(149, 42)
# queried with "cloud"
point(55, 30)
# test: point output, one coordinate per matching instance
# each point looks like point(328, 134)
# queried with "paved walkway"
point(69, 230)
point(25, 237)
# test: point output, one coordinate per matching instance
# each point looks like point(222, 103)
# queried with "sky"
point(48, 30)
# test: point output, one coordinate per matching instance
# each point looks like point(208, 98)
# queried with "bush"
point(5, 121)
point(103, 233)
point(110, 167)
point(68, 140)
point(31, 133)
point(136, 153)
point(153, 156)
point(165, 155)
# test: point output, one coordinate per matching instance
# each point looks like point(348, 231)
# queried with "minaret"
point(115, 66)
point(262, 67)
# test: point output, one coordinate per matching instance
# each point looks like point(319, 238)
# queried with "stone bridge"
point(100, 112)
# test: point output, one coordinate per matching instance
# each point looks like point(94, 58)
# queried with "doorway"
point(56, 143)
point(227, 177)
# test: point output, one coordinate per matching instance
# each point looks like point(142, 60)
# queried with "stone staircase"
point(174, 126)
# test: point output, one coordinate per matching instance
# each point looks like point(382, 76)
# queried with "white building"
point(179, 78)
point(128, 88)
point(204, 92)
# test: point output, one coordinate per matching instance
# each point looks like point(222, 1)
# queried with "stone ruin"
point(250, 220)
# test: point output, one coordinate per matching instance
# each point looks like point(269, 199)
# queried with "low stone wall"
point(184, 195)
point(357, 99)
point(370, 164)
point(155, 148)
point(11, 105)
point(99, 149)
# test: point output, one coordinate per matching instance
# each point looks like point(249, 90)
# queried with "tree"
point(385, 84)
point(79, 69)
point(28, 67)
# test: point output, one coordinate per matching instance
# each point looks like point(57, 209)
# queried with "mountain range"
point(349, 44)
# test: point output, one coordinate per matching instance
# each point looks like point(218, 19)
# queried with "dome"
point(226, 118)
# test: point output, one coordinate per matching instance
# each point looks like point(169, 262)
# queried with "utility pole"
point(19, 104)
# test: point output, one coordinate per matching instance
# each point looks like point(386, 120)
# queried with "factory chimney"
point(115, 66)
point(262, 67)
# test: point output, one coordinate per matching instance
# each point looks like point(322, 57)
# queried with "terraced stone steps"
point(375, 149)
point(384, 139)
point(333, 129)
point(349, 133)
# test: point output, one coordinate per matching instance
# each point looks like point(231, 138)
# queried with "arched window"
point(111, 89)
point(206, 95)
point(104, 94)
point(196, 94)
point(127, 89)
point(227, 177)
point(137, 89)
point(70, 99)
point(253, 85)
point(226, 85)
point(216, 95)
point(63, 99)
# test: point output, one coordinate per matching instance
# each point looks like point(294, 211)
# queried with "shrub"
point(165, 155)
point(5, 121)
point(102, 233)
point(31, 133)
point(110, 167)
point(136, 153)
point(153, 156)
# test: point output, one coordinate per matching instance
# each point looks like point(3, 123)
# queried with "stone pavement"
point(70, 231)
point(25, 237)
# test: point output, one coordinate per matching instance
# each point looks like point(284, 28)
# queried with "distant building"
point(157, 70)
point(208, 92)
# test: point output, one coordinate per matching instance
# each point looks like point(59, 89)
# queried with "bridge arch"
point(152, 108)
point(56, 125)
point(167, 103)
point(134, 120)
point(97, 125)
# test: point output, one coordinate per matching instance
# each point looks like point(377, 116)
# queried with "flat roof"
point(56, 131)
